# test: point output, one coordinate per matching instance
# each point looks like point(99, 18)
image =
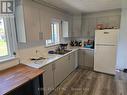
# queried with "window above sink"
point(55, 29)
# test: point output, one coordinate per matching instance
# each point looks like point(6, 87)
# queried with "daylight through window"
point(55, 34)
point(7, 38)
point(3, 40)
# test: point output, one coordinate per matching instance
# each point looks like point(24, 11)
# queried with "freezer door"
point(106, 37)
point(105, 59)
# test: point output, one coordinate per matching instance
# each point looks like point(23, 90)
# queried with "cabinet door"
point(76, 59)
point(81, 57)
point(45, 23)
point(68, 65)
point(114, 21)
point(86, 59)
point(89, 27)
point(31, 20)
point(48, 81)
point(73, 60)
point(61, 70)
point(89, 58)
point(76, 26)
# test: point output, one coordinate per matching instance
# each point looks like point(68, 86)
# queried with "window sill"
point(8, 59)
point(51, 45)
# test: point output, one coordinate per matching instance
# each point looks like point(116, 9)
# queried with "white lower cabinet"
point(57, 71)
point(73, 60)
point(86, 58)
point(48, 81)
point(61, 70)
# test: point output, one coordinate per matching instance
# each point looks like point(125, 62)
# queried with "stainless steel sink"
point(61, 52)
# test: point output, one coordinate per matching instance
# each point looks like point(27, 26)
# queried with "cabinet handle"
point(53, 67)
point(69, 57)
point(106, 32)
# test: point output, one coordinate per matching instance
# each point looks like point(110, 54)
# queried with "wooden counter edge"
point(20, 73)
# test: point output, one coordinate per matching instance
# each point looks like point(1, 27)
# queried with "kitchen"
point(52, 47)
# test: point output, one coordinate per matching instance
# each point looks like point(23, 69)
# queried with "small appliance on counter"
point(76, 43)
point(89, 44)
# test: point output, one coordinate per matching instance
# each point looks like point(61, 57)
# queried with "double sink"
point(62, 52)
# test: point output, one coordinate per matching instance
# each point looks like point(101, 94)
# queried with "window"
point(65, 28)
point(7, 37)
point(55, 34)
point(3, 40)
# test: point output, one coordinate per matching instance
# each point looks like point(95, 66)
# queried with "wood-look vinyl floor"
point(84, 82)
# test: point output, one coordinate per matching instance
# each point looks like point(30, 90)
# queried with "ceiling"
point(83, 6)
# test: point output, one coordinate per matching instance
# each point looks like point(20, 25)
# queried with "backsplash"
point(34, 52)
point(24, 54)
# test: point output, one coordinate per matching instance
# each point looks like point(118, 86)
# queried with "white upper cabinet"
point(27, 21)
point(76, 26)
point(33, 21)
point(88, 28)
point(45, 23)
point(106, 18)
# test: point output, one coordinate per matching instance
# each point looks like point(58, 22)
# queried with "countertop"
point(51, 58)
point(15, 77)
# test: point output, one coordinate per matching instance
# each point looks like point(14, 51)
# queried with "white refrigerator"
point(105, 50)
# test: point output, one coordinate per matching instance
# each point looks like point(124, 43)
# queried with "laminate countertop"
point(15, 77)
point(51, 58)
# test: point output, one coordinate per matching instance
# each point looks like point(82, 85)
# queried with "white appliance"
point(105, 50)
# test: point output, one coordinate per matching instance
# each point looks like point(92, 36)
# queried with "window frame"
point(58, 34)
point(9, 27)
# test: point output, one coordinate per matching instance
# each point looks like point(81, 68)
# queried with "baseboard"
point(86, 67)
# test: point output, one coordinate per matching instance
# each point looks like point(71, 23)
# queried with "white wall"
point(122, 44)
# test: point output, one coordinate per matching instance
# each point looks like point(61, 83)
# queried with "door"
point(106, 37)
point(105, 59)
point(48, 81)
